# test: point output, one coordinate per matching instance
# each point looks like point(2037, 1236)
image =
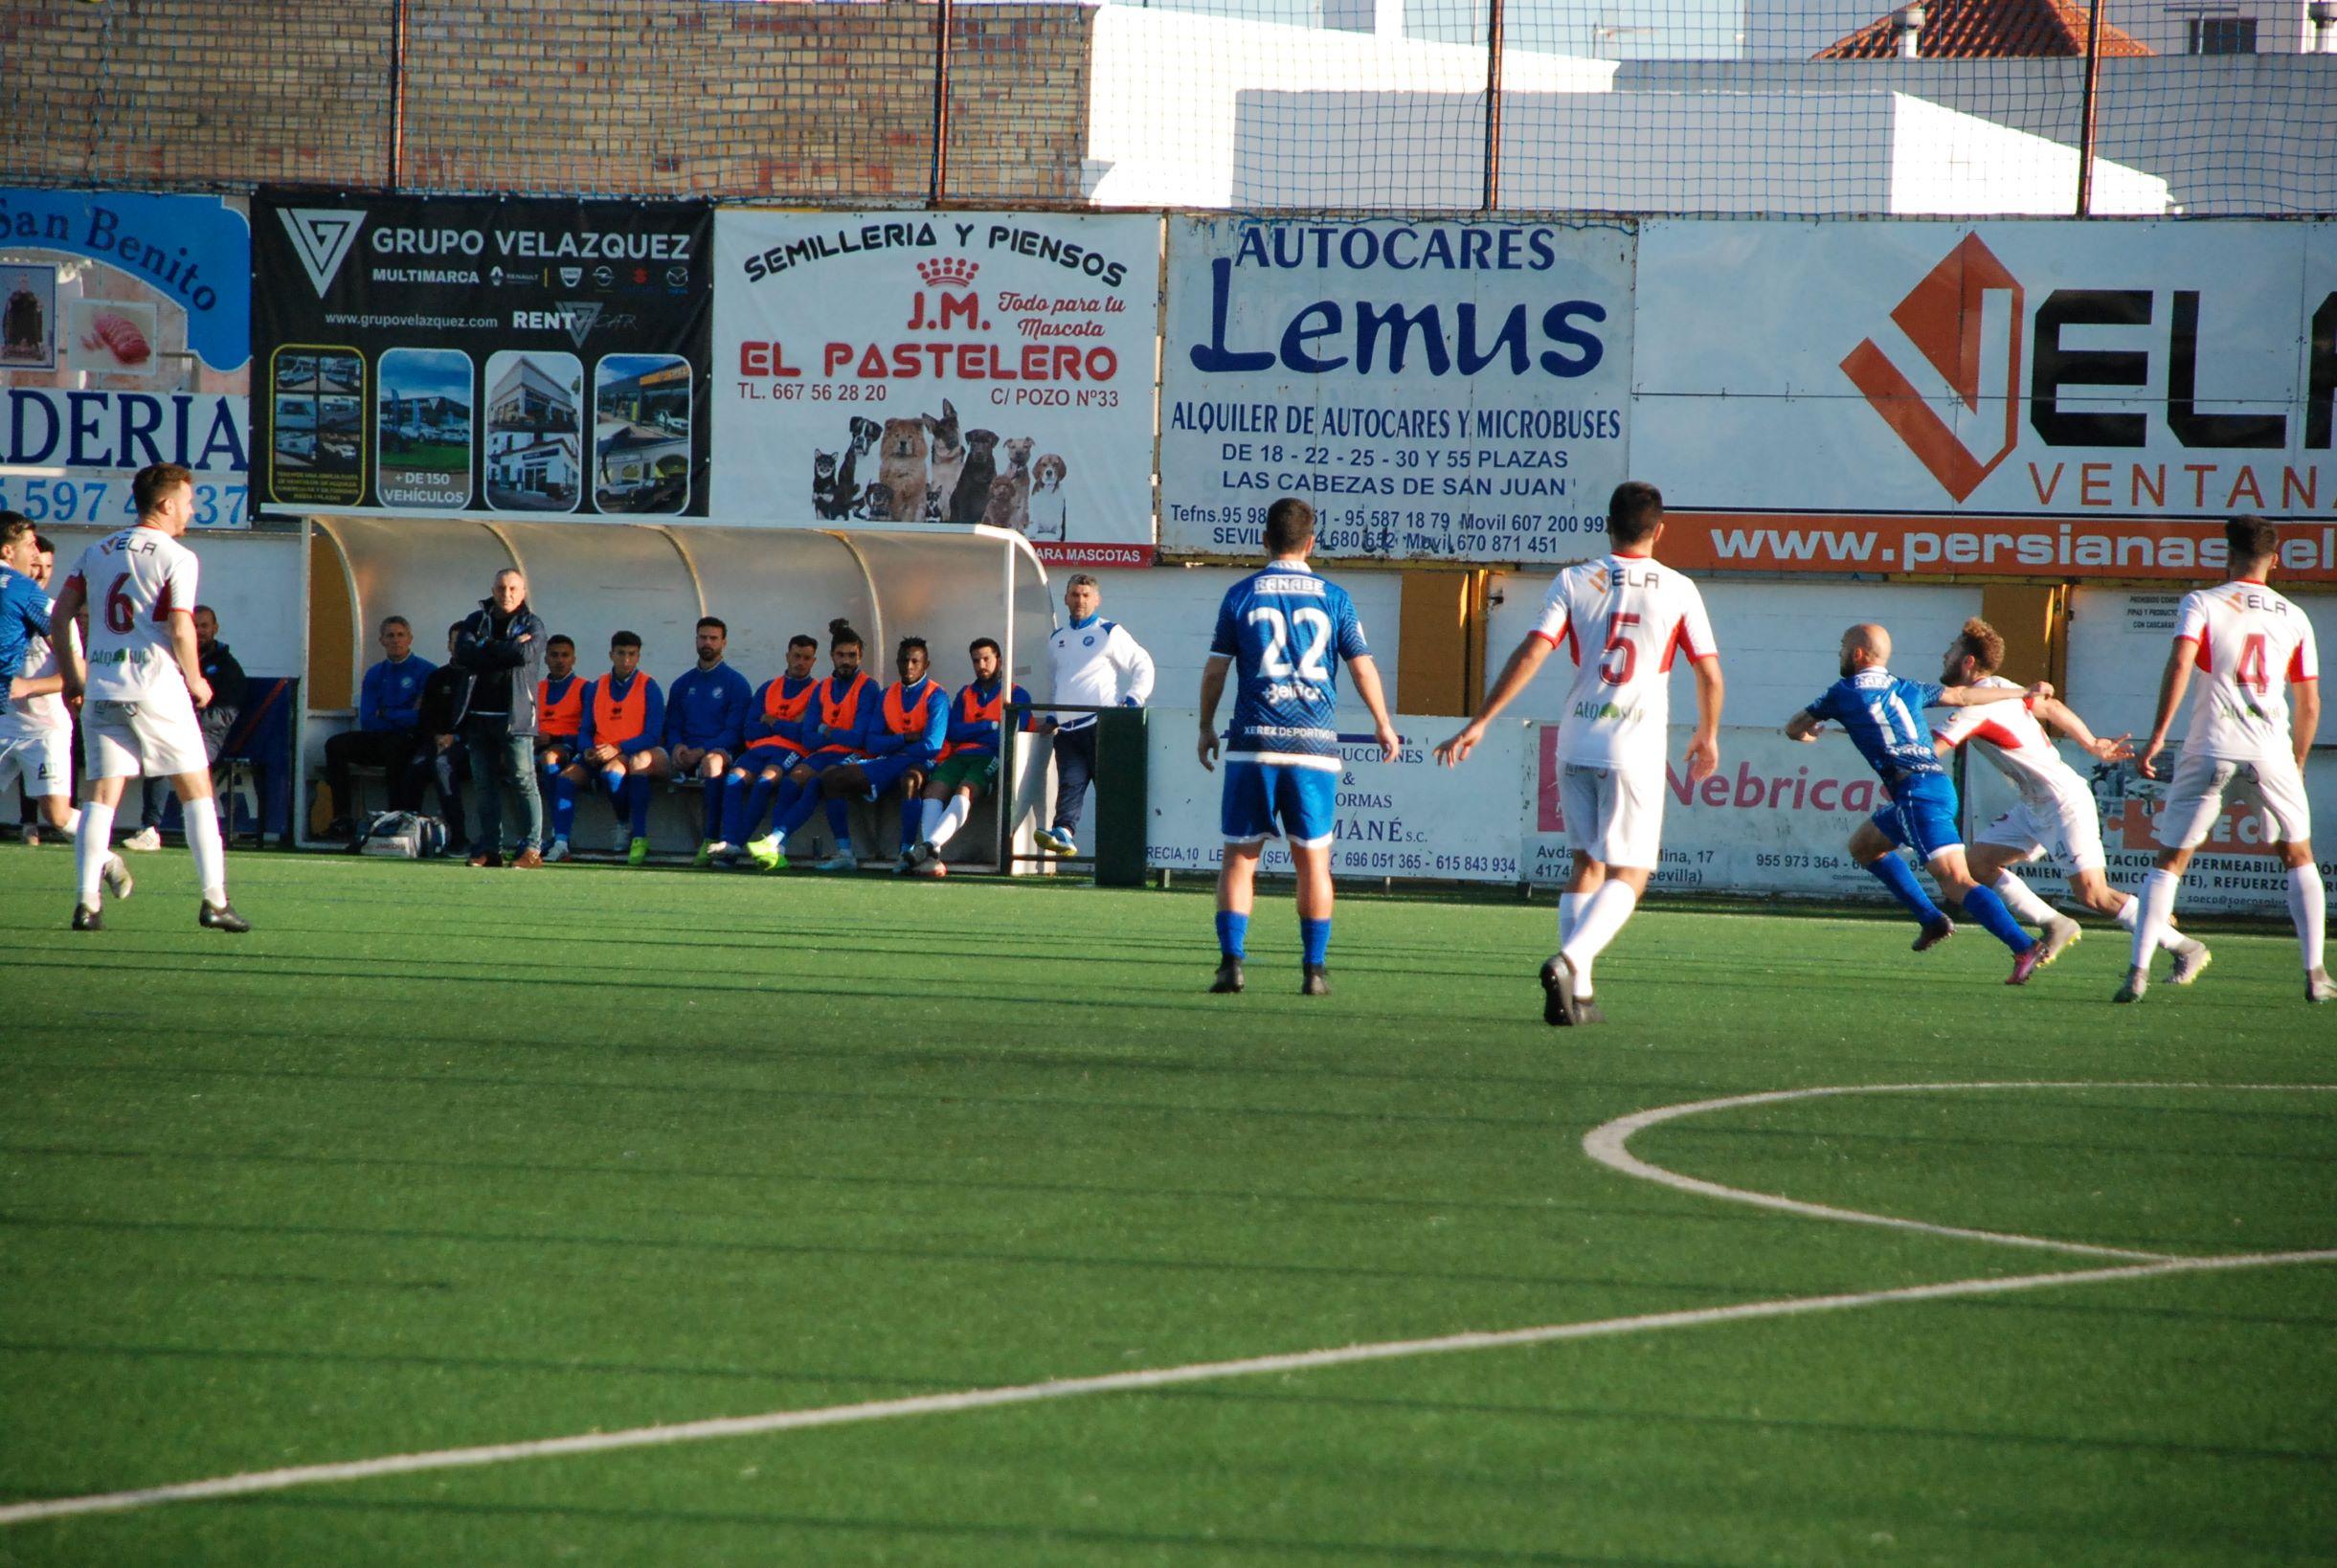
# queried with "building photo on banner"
point(2022, 399)
point(1438, 390)
point(516, 357)
point(958, 368)
point(125, 340)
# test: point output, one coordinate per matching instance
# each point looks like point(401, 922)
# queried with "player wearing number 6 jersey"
point(1624, 618)
point(1283, 630)
point(143, 682)
point(2250, 645)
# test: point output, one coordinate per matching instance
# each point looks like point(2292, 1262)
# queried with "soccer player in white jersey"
point(2056, 812)
point(36, 729)
point(1623, 617)
point(141, 685)
point(2249, 646)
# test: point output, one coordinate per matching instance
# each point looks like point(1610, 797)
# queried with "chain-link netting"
point(1836, 106)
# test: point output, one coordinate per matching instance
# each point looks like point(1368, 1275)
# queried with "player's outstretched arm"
point(2304, 717)
point(1704, 746)
point(2055, 714)
point(1981, 696)
point(1803, 725)
point(62, 638)
point(1367, 686)
point(2173, 684)
point(1212, 688)
point(1524, 662)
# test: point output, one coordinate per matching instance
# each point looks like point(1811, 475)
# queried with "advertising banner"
point(533, 358)
point(940, 367)
point(1436, 390)
point(2027, 398)
point(1409, 817)
point(126, 339)
point(1774, 818)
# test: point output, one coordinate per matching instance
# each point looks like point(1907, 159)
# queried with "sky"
point(426, 372)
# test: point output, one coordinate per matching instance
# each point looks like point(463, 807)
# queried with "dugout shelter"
point(946, 585)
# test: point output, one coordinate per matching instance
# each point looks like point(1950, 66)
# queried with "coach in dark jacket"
point(501, 648)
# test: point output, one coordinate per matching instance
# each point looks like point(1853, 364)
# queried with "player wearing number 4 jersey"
point(2250, 648)
point(144, 679)
point(1284, 631)
point(1624, 618)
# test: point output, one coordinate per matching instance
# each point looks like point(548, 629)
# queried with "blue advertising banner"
point(126, 339)
point(1438, 390)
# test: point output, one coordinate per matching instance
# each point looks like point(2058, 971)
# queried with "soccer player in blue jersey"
point(705, 711)
point(1879, 711)
point(1282, 632)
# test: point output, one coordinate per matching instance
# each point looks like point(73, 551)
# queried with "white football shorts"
point(2196, 794)
point(39, 759)
point(157, 736)
point(1614, 815)
point(2069, 830)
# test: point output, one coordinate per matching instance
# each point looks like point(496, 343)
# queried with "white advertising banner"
point(1437, 389)
point(1409, 817)
point(2030, 398)
point(949, 367)
point(2234, 872)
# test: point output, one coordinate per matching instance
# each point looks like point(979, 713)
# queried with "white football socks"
point(71, 825)
point(2021, 899)
point(2307, 906)
point(2173, 940)
point(2157, 903)
point(210, 853)
point(91, 848)
point(940, 829)
point(1569, 914)
point(1601, 919)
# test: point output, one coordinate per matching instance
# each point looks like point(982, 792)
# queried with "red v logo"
point(1944, 316)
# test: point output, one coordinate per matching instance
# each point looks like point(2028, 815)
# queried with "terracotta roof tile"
point(1987, 30)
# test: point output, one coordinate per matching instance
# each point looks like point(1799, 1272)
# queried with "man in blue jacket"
point(501, 648)
point(389, 729)
point(706, 711)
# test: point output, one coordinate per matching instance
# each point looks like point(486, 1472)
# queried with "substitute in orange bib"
point(617, 737)
point(969, 766)
point(837, 728)
point(902, 747)
point(773, 741)
point(559, 717)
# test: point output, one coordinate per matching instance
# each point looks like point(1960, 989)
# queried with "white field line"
point(1605, 1144)
point(931, 1404)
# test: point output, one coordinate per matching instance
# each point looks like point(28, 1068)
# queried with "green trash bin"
point(1123, 802)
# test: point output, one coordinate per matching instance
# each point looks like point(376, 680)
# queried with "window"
point(2223, 36)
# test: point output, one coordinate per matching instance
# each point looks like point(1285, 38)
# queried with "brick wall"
point(822, 101)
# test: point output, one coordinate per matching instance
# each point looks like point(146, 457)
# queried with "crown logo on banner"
point(947, 270)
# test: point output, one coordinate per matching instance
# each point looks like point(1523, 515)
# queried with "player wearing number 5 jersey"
point(2249, 646)
point(1283, 630)
point(1624, 618)
point(141, 685)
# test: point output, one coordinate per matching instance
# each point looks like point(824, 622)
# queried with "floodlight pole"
point(1492, 103)
point(2085, 126)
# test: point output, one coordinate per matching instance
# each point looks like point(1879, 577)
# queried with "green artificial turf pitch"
point(439, 1157)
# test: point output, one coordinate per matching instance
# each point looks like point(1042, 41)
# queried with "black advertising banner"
point(443, 354)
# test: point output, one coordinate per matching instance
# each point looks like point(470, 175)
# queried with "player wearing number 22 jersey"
point(2250, 649)
point(1624, 620)
point(1282, 632)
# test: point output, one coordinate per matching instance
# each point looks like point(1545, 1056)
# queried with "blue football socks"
point(1233, 932)
point(1315, 936)
point(1898, 876)
point(1984, 905)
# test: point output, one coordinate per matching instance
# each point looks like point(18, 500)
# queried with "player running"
point(2252, 645)
point(1878, 710)
point(1283, 630)
point(141, 685)
point(2056, 810)
point(1611, 743)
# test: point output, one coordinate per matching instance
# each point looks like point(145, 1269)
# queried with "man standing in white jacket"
point(1097, 664)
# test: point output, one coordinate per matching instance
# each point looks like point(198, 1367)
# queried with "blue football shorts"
point(1922, 816)
point(1273, 800)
